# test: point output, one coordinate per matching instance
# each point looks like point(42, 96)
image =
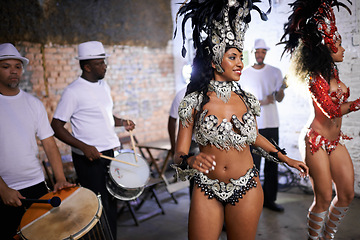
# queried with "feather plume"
point(301, 24)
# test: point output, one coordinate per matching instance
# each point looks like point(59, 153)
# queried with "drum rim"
point(95, 219)
point(122, 186)
point(125, 198)
point(91, 224)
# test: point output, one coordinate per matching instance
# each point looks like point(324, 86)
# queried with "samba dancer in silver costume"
point(223, 118)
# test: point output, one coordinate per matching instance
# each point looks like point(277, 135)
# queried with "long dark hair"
point(202, 73)
point(305, 60)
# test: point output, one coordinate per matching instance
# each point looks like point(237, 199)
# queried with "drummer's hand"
point(202, 162)
point(11, 197)
point(129, 125)
point(304, 170)
point(268, 100)
point(62, 184)
point(91, 152)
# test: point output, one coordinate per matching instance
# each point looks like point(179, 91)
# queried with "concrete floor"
point(288, 225)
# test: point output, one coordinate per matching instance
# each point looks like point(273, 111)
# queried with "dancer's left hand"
point(301, 166)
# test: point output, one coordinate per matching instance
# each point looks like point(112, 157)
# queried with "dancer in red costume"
point(312, 38)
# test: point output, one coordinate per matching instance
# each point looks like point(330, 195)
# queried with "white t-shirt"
point(23, 117)
point(174, 109)
point(261, 83)
point(88, 106)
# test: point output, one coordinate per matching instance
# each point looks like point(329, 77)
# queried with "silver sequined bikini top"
point(234, 133)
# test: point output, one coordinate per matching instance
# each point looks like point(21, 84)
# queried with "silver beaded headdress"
point(222, 23)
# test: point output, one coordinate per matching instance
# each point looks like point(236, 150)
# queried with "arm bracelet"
point(264, 154)
point(275, 154)
point(183, 165)
point(272, 156)
point(355, 105)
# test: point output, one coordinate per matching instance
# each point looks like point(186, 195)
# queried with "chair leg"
point(132, 212)
point(173, 197)
point(149, 192)
point(157, 201)
point(146, 195)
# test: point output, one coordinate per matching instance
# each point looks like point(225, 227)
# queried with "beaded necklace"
point(223, 89)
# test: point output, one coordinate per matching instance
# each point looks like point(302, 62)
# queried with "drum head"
point(77, 212)
point(128, 176)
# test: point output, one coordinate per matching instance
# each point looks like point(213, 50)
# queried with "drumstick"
point(132, 141)
point(117, 160)
point(54, 201)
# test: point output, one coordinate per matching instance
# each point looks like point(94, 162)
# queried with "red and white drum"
point(79, 216)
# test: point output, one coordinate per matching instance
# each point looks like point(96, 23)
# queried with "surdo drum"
point(79, 216)
point(127, 182)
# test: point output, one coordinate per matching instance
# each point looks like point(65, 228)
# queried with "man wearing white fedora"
point(87, 104)
point(23, 118)
point(266, 83)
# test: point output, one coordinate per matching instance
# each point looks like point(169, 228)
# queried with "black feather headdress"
point(218, 23)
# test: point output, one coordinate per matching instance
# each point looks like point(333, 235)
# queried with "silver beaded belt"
point(224, 192)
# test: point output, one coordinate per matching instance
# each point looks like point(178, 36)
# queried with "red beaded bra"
point(329, 103)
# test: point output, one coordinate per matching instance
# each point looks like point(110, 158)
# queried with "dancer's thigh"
point(206, 217)
point(242, 219)
point(342, 172)
point(319, 170)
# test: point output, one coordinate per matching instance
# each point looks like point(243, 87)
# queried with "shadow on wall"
point(120, 22)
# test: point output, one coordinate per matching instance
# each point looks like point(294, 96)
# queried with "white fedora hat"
point(260, 44)
point(8, 51)
point(91, 50)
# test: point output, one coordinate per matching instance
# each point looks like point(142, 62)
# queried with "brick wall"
point(141, 81)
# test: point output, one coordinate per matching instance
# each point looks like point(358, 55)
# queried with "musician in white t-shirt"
point(87, 104)
point(23, 119)
point(266, 83)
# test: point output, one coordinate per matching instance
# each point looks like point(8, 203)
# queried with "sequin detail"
point(223, 89)
point(187, 104)
point(320, 92)
point(227, 33)
point(223, 134)
point(316, 141)
point(227, 192)
point(326, 25)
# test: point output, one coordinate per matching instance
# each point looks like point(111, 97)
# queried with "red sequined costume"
point(316, 141)
point(330, 105)
point(325, 19)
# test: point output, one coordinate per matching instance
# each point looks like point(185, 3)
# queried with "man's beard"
point(14, 84)
point(100, 76)
point(260, 61)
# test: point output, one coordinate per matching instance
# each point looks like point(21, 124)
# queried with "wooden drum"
point(79, 216)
